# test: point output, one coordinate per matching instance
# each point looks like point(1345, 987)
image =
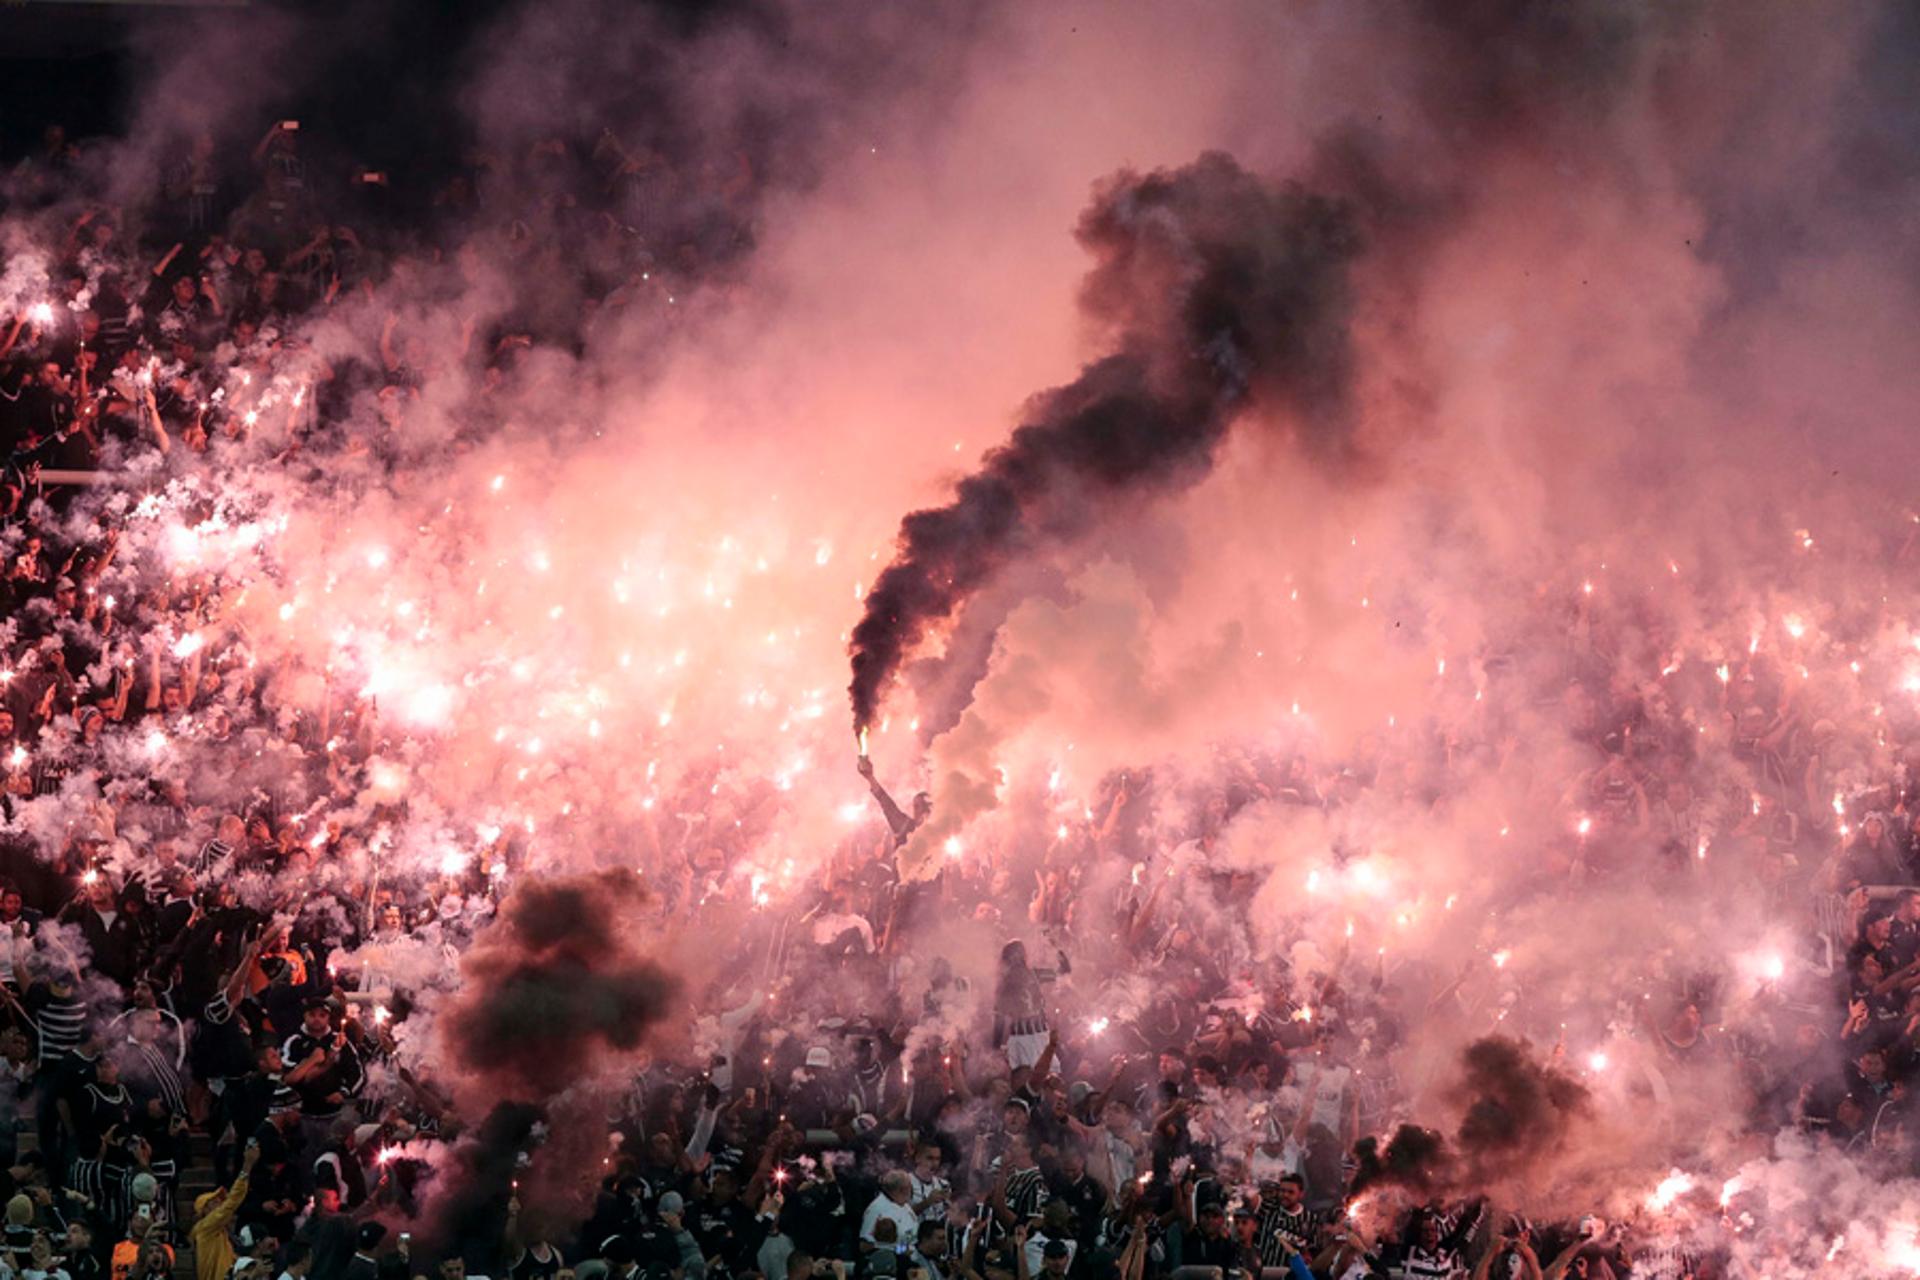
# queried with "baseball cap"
point(672, 1202)
point(819, 1057)
point(1056, 1249)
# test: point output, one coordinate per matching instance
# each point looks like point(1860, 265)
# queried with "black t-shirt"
point(654, 1251)
point(532, 1268)
point(814, 1218)
point(342, 1076)
point(1903, 945)
point(99, 1108)
point(1197, 1249)
point(728, 1230)
point(1085, 1197)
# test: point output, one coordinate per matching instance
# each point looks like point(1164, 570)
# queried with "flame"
point(1671, 1188)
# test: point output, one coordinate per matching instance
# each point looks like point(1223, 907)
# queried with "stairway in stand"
point(196, 1178)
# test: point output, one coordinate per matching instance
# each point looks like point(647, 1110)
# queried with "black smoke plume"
point(488, 1165)
point(1219, 292)
point(1515, 1109)
point(1414, 1158)
point(554, 986)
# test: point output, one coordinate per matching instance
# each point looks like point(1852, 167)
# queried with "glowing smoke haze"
point(616, 628)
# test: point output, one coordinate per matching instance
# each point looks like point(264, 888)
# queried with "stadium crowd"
point(206, 964)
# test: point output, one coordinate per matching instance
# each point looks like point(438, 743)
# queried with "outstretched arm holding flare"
point(897, 818)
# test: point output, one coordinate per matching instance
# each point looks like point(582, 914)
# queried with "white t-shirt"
point(906, 1224)
point(1036, 1252)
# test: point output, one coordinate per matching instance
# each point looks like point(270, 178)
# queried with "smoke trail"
point(1516, 1109)
point(553, 986)
point(1220, 292)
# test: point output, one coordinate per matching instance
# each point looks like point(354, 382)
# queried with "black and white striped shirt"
point(1026, 1193)
point(1440, 1264)
point(1299, 1228)
point(60, 1022)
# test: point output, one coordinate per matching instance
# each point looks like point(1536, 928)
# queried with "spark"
point(1795, 627)
point(952, 846)
point(1596, 1061)
point(1500, 958)
point(1096, 1026)
point(1584, 826)
point(43, 313)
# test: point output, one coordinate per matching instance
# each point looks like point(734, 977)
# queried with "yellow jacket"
point(213, 1255)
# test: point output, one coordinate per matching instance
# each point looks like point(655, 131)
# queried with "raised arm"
point(1558, 1267)
point(896, 816)
point(160, 267)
